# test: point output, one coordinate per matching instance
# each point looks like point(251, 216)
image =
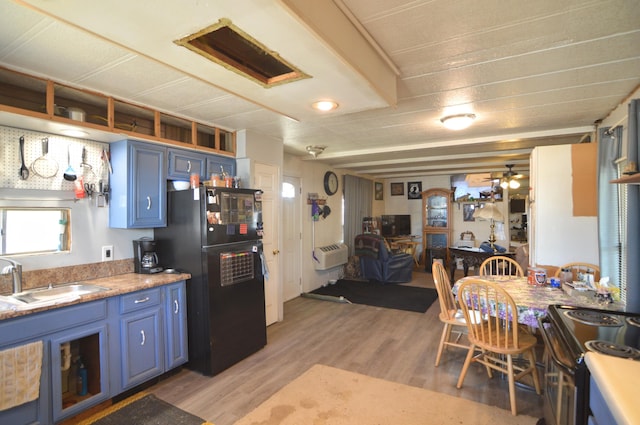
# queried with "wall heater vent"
point(331, 256)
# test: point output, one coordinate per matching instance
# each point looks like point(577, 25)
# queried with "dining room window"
point(612, 207)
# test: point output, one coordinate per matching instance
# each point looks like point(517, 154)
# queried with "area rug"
point(399, 297)
point(143, 409)
point(330, 396)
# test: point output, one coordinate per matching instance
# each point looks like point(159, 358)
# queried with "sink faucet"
point(15, 269)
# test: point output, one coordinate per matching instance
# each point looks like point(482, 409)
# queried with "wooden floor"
point(390, 344)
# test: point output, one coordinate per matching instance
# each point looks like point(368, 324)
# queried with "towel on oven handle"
point(265, 268)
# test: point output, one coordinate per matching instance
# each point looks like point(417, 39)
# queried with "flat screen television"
point(517, 206)
point(395, 225)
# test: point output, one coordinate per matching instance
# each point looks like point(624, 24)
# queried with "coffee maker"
point(145, 259)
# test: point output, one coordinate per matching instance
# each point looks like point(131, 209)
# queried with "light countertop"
point(117, 284)
point(617, 379)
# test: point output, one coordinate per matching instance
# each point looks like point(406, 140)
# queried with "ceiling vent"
point(229, 46)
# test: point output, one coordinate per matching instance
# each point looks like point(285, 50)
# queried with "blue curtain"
point(633, 220)
point(609, 143)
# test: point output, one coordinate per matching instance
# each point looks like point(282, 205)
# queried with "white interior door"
point(291, 239)
point(266, 178)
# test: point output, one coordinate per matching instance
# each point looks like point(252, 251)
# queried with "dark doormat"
point(143, 409)
point(399, 297)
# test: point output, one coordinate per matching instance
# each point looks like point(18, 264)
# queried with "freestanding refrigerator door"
point(236, 303)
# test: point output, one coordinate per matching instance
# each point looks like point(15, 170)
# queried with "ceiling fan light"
point(514, 184)
point(458, 122)
point(504, 184)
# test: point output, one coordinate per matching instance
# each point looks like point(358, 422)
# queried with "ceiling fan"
point(510, 178)
point(507, 177)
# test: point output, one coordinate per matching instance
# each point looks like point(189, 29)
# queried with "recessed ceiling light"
point(72, 132)
point(458, 122)
point(325, 105)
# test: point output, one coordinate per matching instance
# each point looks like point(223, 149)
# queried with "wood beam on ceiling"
point(460, 142)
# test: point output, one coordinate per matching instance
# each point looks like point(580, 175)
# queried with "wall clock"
point(330, 183)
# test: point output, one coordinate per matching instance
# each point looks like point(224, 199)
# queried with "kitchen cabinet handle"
point(148, 202)
point(144, 338)
point(141, 300)
point(176, 307)
point(188, 166)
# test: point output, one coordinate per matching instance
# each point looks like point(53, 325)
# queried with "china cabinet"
point(436, 226)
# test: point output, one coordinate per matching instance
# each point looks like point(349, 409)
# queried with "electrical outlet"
point(107, 253)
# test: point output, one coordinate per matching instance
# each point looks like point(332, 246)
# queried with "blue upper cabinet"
point(216, 163)
point(138, 185)
point(183, 163)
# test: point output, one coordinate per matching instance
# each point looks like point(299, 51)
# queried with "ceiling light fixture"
point(315, 150)
point(458, 122)
point(324, 105)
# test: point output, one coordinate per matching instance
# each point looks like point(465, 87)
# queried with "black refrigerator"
point(215, 235)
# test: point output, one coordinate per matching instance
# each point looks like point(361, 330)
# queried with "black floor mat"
point(145, 410)
point(399, 297)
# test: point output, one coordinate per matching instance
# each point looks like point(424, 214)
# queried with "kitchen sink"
point(57, 292)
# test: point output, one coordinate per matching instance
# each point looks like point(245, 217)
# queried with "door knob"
point(276, 251)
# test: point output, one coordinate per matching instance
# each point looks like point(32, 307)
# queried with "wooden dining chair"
point(498, 336)
point(450, 315)
point(578, 268)
point(499, 265)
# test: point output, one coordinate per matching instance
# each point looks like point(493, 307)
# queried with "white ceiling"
point(534, 72)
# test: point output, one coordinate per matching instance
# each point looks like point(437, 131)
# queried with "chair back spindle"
point(499, 265)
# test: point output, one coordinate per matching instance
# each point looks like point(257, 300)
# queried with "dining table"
point(532, 300)
point(408, 246)
point(472, 257)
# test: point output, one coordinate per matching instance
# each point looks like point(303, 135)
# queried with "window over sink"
point(34, 230)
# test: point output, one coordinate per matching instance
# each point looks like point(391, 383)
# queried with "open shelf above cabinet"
point(48, 106)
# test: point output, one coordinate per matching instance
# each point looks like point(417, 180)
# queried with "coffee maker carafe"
point(145, 257)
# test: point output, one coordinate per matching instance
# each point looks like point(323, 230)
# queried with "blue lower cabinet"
point(601, 414)
point(176, 325)
point(141, 342)
point(80, 370)
point(153, 333)
point(37, 411)
point(94, 351)
point(67, 334)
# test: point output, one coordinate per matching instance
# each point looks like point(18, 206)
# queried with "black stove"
point(613, 349)
point(608, 332)
point(568, 333)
